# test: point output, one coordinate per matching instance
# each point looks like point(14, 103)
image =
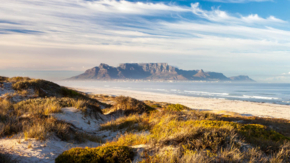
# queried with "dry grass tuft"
point(280, 125)
point(33, 117)
point(130, 139)
point(128, 105)
point(133, 122)
point(173, 134)
point(106, 154)
point(43, 88)
point(194, 136)
point(42, 129)
point(176, 107)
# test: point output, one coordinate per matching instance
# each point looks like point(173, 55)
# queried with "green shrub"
point(32, 117)
point(41, 128)
point(133, 122)
point(248, 130)
point(54, 105)
point(35, 83)
point(103, 154)
point(43, 88)
point(9, 126)
point(155, 106)
point(69, 93)
point(129, 105)
point(176, 107)
point(212, 134)
point(257, 135)
point(17, 79)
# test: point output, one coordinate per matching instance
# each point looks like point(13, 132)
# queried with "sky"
point(57, 39)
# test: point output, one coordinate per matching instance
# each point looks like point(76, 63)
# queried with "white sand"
point(77, 118)
point(35, 151)
point(32, 150)
point(216, 105)
point(6, 89)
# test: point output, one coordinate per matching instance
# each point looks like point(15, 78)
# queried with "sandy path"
point(241, 107)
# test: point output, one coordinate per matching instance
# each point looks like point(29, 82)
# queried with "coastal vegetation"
point(105, 154)
point(174, 133)
point(33, 116)
point(138, 131)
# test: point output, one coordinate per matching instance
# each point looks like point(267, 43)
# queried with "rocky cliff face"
point(147, 71)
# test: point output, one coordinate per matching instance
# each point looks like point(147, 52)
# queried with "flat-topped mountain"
point(148, 71)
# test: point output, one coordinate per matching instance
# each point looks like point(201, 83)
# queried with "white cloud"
point(103, 28)
point(107, 21)
point(238, 1)
point(284, 77)
point(128, 7)
point(265, 34)
point(254, 18)
point(147, 8)
point(286, 73)
point(217, 15)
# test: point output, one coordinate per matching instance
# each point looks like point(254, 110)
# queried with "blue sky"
point(58, 38)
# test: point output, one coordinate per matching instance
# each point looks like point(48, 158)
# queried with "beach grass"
point(165, 132)
point(182, 135)
point(33, 116)
point(105, 154)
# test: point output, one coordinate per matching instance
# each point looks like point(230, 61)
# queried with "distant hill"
point(148, 71)
point(242, 78)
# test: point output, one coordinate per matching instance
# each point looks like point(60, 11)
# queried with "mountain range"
point(152, 71)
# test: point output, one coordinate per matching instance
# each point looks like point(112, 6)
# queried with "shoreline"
point(244, 108)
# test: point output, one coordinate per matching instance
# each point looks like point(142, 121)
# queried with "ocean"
point(275, 93)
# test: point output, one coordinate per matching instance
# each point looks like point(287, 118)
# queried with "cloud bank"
point(33, 31)
point(238, 1)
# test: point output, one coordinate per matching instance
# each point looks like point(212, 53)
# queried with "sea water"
point(276, 93)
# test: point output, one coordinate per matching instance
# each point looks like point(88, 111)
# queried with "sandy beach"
point(215, 105)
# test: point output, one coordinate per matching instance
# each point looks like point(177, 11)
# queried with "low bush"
point(103, 154)
point(42, 128)
point(43, 106)
point(190, 135)
point(226, 155)
point(155, 106)
point(33, 117)
point(176, 107)
point(53, 105)
point(133, 122)
point(83, 137)
point(280, 125)
point(69, 92)
point(128, 105)
point(9, 126)
point(43, 88)
point(17, 79)
point(212, 134)
point(247, 130)
point(129, 139)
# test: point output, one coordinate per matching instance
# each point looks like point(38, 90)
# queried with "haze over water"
point(276, 93)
